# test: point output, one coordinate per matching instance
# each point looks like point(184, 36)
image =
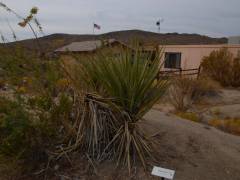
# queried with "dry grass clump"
point(229, 125)
point(185, 91)
point(2, 83)
point(235, 75)
point(189, 116)
point(221, 66)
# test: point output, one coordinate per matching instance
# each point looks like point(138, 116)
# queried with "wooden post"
point(199, 71)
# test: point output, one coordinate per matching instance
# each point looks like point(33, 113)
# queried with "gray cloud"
point(210, 17)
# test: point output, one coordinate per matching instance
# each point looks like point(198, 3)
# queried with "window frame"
point(177, 64)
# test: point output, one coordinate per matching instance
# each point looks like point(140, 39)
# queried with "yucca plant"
point(118, 92)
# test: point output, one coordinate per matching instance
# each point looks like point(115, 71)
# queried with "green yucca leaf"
point(130, 79)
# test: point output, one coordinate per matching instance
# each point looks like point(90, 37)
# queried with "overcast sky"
point(210, 17)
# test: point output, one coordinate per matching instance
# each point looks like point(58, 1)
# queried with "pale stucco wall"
point(192, 54)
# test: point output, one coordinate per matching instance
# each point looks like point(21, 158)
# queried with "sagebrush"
point(223, 67)
point(185, 91)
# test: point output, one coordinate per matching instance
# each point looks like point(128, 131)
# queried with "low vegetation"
point(35, 109)
point(185, 91)
point(223, 67)
point(189, 116)
point(100, 113)
point(116, 93)
point(228, 125)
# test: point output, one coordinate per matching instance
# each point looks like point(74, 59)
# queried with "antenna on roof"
point(158, 23)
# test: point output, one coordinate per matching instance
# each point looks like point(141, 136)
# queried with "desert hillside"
point(54, 41)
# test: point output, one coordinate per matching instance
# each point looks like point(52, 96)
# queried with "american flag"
point(96, 26)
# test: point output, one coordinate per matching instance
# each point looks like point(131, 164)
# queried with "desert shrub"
point(21, 90)
point(18, 135)
point(52, 112)
point(185, 91)
point(29, 73)
point(61, 112)
point(222, 67)
point(62, 84)
point(228, 125)
point(2, 83)
point(14, 65)
point(28, 130)
point(235, 75)
point(180, 93)
point(204, 87)
point(40, 117)
point(42, 102)
point(41, 113)
point(36, 121)
point(118, 91)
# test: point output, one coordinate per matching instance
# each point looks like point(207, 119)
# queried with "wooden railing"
point(180, 72)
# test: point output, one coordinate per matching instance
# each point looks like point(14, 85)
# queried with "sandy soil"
point(194, 150)
point(198, 150)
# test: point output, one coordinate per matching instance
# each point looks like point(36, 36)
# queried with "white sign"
point(161, 172)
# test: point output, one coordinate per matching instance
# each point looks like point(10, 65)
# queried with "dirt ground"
point(223, 105)
point(194, 150)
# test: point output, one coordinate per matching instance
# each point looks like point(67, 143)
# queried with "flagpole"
point(94, 38)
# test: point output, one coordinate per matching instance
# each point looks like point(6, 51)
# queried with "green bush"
point(42, 102)
point(27, 135)
point(15, 128)
point(33, 124)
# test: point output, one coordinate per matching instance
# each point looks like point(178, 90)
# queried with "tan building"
point(174, 56)
point(190, 56)
point(234, 40)
point(85, 50)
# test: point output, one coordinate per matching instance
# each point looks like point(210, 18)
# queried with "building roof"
point(202, 46)
point(85, 46)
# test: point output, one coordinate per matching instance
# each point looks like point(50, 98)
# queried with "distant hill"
point(51, 42)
